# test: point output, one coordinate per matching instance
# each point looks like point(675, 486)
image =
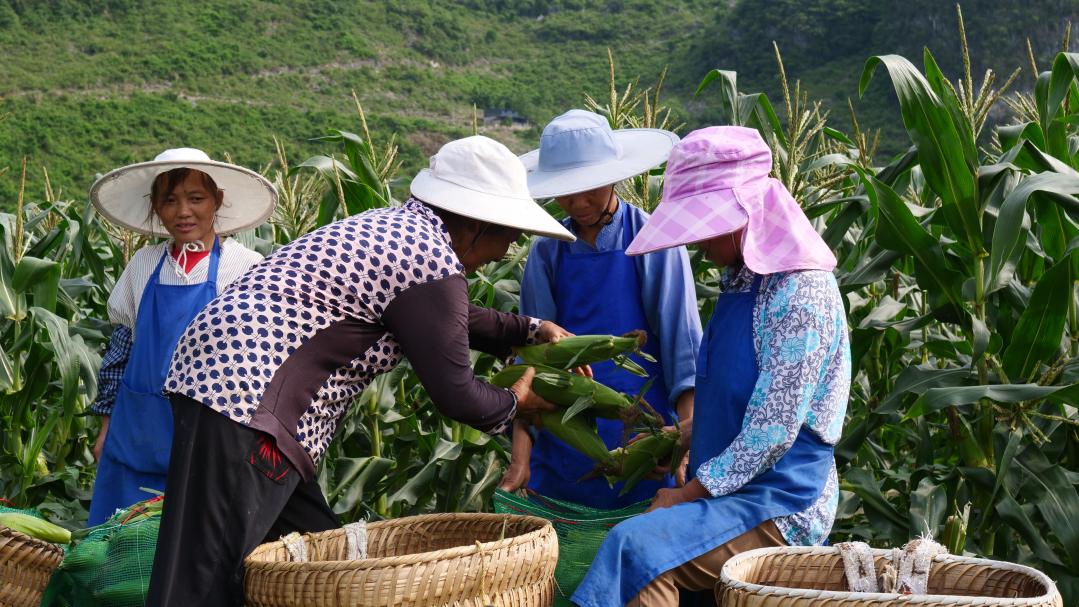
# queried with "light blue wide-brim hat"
point(579, 152)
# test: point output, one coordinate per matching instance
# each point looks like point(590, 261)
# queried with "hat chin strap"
point(607, 215)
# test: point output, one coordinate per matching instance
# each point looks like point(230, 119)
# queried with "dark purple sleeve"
point(431, 323)
point(495, 332)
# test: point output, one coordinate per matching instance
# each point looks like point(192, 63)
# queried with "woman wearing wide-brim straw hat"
point(591, 287)
point(772, 380)
point(193, 203)
point(263, 375)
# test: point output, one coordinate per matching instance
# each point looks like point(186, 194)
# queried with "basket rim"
point(725, 579)
point(55, 549)
point(544, 526)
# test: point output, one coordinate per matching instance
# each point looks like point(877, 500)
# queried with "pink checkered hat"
point(716, 183)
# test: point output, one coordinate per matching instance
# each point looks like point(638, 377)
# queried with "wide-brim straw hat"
point(579, 152)
point(479, 178)
point(123, 195)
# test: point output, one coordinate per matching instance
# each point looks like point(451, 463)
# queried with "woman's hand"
point(519, 471)
point(549, 332)
point(529, 404)
point(665, 498)
point(99, 444)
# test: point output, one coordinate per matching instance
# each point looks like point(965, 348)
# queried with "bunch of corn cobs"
point(583, 400)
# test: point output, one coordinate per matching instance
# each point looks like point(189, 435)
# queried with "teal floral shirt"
point(803, 358)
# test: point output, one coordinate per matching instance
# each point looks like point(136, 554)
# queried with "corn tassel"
point(580, 350)
point(567, 389)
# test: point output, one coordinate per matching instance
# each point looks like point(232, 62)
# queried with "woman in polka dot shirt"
point(262, 376)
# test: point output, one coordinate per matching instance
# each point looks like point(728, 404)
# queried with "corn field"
point(958, 260)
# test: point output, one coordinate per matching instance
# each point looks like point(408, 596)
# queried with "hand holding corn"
point(550, 333)
point(528, 402)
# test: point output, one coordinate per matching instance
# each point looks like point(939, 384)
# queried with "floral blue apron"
point(599, 293)
point(136, 452)
point(639, 549)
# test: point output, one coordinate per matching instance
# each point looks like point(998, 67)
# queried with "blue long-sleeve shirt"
point(667, 293)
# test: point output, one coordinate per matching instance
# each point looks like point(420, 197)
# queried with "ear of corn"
point(566, 389)
point(35, 527)
point(580, 434)
point(581, 350)
point(633, 462)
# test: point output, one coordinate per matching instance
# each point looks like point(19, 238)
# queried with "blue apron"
point(599, 293)
point(136, 452)
point(639, 549)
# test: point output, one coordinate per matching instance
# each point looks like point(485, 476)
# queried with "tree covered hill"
point(89, 85)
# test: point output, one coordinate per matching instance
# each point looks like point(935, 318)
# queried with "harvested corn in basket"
point(805, 576)
point(110, 565)
point(580, 530)
point(465, 560)
point(26, 563)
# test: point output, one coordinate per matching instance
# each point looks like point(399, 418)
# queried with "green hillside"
point(89, 85)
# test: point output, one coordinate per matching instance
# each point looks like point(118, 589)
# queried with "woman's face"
point(491, 245)
point(587, 208)
point(725, 250)
point(188, 211)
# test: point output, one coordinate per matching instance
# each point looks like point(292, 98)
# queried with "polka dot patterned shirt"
point(291, 343)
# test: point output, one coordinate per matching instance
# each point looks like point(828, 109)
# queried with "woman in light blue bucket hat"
point(592, 287)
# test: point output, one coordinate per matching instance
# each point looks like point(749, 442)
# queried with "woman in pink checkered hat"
point(773, 376)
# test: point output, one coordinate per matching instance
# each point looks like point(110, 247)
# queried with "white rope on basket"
point(859, 567)
point(906, 572)
point(838, 595)
point(356, 540)
point(296, 547)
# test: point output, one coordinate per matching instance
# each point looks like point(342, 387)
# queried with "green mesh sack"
point(109, 566)
point(30, 511)
point(580, 530)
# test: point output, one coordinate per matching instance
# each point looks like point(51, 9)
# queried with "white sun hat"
point(480, 178)
point(579, 152)
point(123, 196)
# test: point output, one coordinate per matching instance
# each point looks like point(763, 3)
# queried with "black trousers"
point(229, 489)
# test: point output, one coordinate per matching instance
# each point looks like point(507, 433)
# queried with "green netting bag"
point(109, 566)
point(580, 531)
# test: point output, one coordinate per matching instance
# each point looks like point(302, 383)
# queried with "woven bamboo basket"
point(461, 560)
point(26, 564)
point(814, 577)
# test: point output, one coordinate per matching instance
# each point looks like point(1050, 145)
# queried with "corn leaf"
point(39, 277)
point(1008, 233)
point(944, 156)
point(935, 399)
point(1038, 335)
point(898, 230)
point(928, 505)
point(1058, 501)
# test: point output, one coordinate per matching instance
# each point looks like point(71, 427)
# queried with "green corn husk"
point(580, 434)
point(955, 531)
point(577, 393)
point(580, 350)
point(35, 527)
point(633, 462)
